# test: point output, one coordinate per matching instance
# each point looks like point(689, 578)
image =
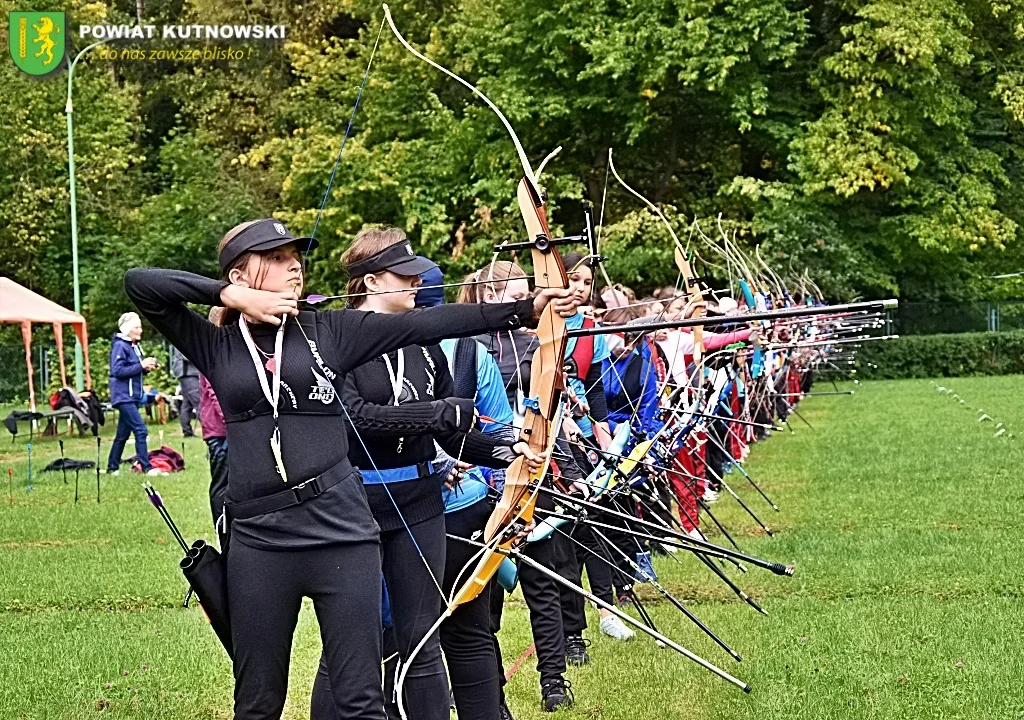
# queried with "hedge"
point(923, 356)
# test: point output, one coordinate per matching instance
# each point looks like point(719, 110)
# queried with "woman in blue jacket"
point(126, 369)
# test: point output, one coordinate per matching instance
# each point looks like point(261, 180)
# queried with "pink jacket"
point(211, 417)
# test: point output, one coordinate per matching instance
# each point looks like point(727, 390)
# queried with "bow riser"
point(519, 497)
point(516, 499)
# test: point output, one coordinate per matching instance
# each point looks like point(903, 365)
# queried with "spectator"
point(188, 376)
point(126, 369)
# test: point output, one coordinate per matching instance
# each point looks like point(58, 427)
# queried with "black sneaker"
point(504, 712)
point(576, 650)
point(556, 694)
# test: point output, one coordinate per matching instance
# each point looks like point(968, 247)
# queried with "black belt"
point(296, 495)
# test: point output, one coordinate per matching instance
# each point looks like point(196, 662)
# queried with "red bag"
point(164, 458)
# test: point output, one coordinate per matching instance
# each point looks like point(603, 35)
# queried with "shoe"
point(556, 694)
point(709, 496)
point(670, 549)
point(504, 712)
point(153, 472)
point(111, 472)
point(695, 534)
point(624, 600)
point(576, 650)
point(615, 629)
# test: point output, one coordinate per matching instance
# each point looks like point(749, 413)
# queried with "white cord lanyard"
point(397, 380)
point(272, 395)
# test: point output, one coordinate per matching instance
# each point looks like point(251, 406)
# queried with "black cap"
point(398, 258)
point(261, 236)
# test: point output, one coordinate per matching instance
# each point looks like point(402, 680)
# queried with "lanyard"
point(396, 379)
point(272, 395)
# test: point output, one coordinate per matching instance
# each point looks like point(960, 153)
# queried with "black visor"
point(261, 236)
point(398, 258)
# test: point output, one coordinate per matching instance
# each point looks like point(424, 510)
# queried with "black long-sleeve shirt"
point(314, 432)
point(404, 434)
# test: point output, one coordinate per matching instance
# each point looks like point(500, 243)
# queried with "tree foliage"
point(876, 143)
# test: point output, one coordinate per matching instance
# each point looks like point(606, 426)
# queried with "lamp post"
point(79, 375)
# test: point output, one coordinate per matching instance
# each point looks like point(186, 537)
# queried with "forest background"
point(877, 144)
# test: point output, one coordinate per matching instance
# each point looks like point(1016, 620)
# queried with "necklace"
point(269, 361)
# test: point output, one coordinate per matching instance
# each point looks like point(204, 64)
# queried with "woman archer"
point(402, 403)
point(299, 521)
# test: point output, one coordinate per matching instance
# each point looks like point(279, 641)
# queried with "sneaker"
point(615, 629)
point(111, 472)
point(153, 472)
point(709, 496)
point(504, 712)
point(695, 534)
point(669, 549)
point(556, 694)
point(624, 600)
point(576, 650)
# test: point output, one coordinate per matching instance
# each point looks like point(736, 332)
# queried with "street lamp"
point(79, 375)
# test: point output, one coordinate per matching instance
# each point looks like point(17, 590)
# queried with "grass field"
point(903, 513)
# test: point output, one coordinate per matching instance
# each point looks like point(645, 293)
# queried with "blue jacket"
point(125, 371)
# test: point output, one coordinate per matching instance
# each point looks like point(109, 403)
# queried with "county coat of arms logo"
point(37, 41)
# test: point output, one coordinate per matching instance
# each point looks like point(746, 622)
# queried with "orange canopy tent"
point(22, 306)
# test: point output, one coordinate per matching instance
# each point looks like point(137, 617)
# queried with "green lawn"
point(902, 512)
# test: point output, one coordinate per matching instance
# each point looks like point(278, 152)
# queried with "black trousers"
point(782, 403)
point(189, 402)
point(717, 458)
point(265, 591)
point(564, 562)
point(415, 606)
point(620, 545)
point(218, 452)
point(466, 636)
point(806, 380)
point(591, 554)
point(657, 497)
point(544, 598)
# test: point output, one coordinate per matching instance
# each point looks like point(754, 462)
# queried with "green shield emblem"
point(37, 41)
